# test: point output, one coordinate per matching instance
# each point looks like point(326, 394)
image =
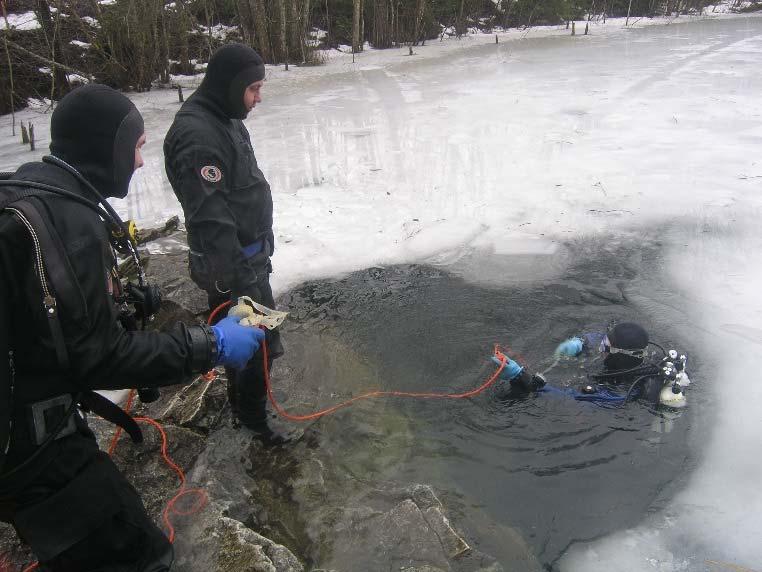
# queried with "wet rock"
point(336, 505)
point(151, 234)
point(433, 512)
point(197, 406)
point(220, 543)
point(181, 298)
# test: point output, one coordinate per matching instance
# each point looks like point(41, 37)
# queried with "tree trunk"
point(306, 20)
point(283, 31)
point(420, 12)
point(356, 27)
point(164, 61)
point(244, 21)
point(362, 25)
point(55, 46)
point(208, 16)
point(260, 23)
point(296, 41)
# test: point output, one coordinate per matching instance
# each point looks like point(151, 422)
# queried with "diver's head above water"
point(624, 346)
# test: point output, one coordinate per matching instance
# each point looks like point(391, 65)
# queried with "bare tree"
point(356, 46)
point(11, 95)
point(260, 23)
point(60, 84)
point(283, 31)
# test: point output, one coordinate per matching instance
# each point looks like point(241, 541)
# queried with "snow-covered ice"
point(517, 147)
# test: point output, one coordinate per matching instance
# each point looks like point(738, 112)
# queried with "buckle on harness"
point(46, 416)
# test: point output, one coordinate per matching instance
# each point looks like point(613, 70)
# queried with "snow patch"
point(23, 21)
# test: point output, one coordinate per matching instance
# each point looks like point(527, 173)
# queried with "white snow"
point(22, 21)
point(91, 21)
point(76, 79)
point(517, 147)
point(80, 44)
point(217, 31)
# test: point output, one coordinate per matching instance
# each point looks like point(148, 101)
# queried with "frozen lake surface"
point(491, 162)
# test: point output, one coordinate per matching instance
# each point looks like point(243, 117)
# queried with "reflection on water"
point(555, 469)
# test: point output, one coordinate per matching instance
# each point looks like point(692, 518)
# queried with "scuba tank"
point(675, 380)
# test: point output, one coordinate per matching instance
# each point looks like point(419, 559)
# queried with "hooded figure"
point(95, 130)
point(228, 210)
point(65, 498)
point(626, 347)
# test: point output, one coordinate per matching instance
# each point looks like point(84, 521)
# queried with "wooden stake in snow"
point(587, 27)
point(24, 134)
point(31, 136)
point(180, 93)
point(496, 40)
point(574, 28)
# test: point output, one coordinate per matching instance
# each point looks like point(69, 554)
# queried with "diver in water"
point(629, 370)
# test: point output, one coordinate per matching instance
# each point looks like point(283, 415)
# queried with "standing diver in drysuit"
point(628, 371)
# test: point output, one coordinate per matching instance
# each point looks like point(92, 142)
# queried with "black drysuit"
point(228, 207)
point(70, 503)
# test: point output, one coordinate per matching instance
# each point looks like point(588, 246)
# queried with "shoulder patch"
point(211, 173)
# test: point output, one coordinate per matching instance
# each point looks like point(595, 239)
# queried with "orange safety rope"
point(377, 393)
point(371, 394)
point(170, 508)
point(202, 498)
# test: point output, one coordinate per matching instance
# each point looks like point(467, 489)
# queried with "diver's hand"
point(571, 347)
point(511, 369)
point(236, 344)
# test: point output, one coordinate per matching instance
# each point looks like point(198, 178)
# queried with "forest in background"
point(137, 44)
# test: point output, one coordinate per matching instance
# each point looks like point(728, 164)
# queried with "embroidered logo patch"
point(211, 173)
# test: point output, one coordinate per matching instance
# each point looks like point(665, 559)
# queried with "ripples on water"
point(555, 469)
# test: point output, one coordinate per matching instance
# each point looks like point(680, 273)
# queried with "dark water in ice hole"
point(556, 470)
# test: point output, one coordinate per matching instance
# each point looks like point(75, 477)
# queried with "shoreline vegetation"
point(49, 47)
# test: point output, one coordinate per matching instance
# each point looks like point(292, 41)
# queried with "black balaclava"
point(95, 129)
point(626, 336)
point(232, 68)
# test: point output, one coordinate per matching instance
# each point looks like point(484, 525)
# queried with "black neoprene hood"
point(232, 68)
point(96, 129)
point(628, 336)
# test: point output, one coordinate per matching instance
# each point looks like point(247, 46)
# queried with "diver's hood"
point(95, 129)
point(232, 68)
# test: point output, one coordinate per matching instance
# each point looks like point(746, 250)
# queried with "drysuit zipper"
point(49, 302)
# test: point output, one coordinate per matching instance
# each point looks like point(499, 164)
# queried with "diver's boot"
point(267, 428)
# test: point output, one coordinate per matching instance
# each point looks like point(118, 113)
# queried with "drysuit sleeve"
point(592, 340)
point(202, 181)
point(103, 354)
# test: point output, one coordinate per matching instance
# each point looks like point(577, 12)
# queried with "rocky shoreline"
point(288, 509)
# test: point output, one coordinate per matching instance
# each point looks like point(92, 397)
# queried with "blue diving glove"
point(571, 347)
point(235, 343)
point(511, 369)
